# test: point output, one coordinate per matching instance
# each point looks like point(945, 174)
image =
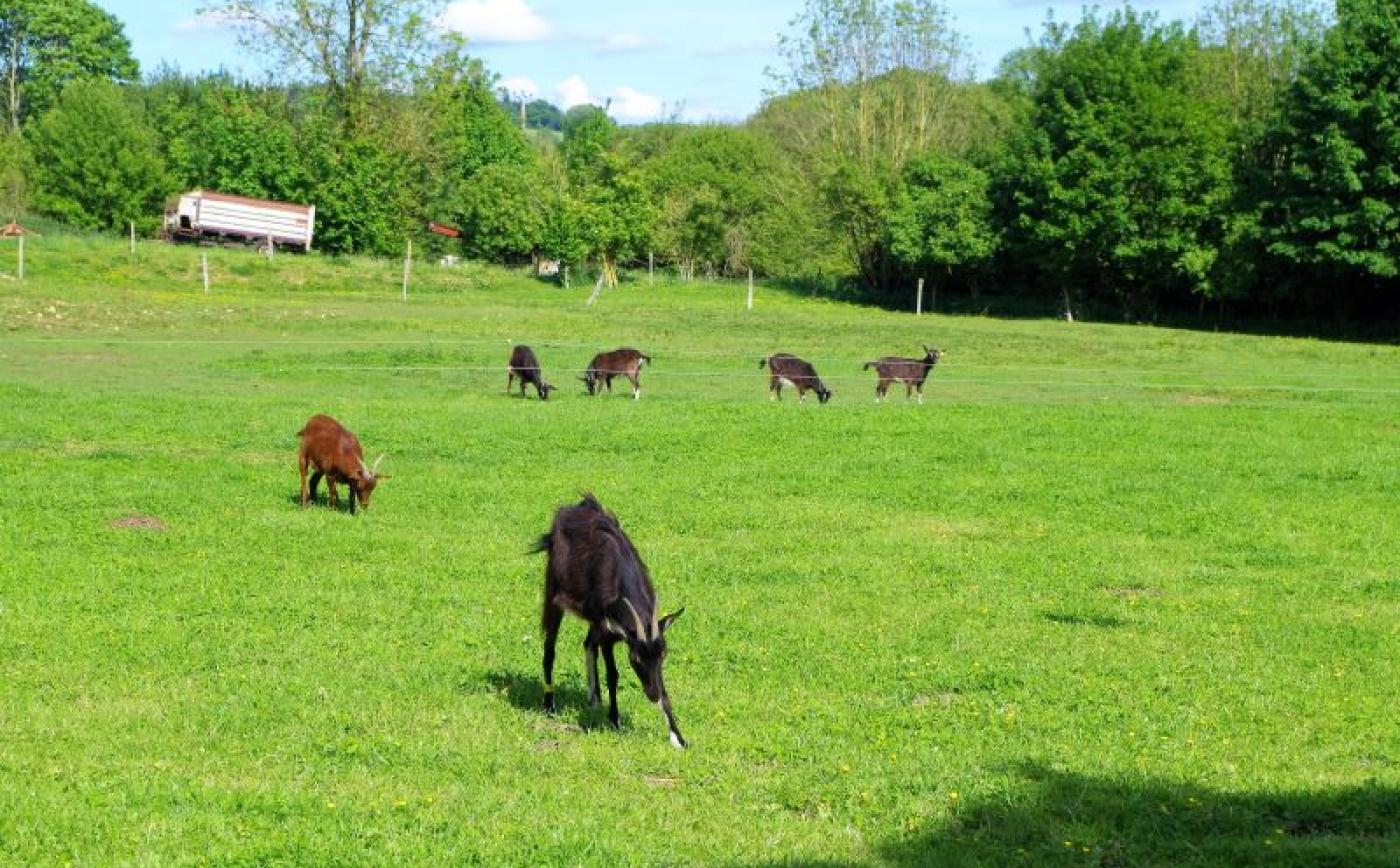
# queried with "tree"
point(96, 161)
point(943, 217)
point(1335, 204)
point(540, 114)
point(1118, 185)
point(502, 211)
point(234, 139)
point(870, 85)
point(351, 46)
point(45, 44)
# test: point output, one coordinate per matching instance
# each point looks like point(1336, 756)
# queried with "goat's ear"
point(665, 623)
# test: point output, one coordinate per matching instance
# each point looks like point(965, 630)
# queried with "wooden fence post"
point(750, 307)
point(270, 247)
point(21, 258)
point(131, 226)
point(204, 270)
point(566, 277)
point(407, 267)
point(919, 304)
point(651, 269)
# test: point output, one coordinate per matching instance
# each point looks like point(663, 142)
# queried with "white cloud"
point(625, 41)
point(517, 85)
point(624, 103)
point(630, 104)
point(493, 22)
point(210, 19)
point(573, 91)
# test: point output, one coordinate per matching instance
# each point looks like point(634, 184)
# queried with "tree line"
point(1118, 165)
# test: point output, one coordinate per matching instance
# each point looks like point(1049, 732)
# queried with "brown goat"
point(524, 365)
point(624, 362)
point(910, 372)
point(335, 453)
point(787, 369)
point(595, 573)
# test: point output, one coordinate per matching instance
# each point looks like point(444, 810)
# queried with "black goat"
point(595, 573)
point(524, 365)
point(784, 368)
point(911, 372)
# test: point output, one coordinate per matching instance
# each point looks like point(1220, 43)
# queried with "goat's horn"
point(375, 468)
point(641, 631)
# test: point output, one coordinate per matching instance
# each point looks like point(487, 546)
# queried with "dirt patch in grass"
point(1198, 399)
point(138, 522)
point(1133, 593)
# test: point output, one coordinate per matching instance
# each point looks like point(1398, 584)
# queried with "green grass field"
point(1112, 596)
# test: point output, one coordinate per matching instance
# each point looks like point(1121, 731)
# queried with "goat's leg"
point(590, 666)
point(636, 386)
point(510, 378)
point(611, 665)
point(553, 615)
point(333, 496)
point(315, 483)
point(920, 390)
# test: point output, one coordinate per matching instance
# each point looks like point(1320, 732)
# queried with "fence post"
point(597, 288)
point(919, 305)
point(651, 269)
point(131, 226)
point(204, 270)
point(21, 257)
point(566, 277)
point(270, 247)
point(750, 289)
point(407, 267)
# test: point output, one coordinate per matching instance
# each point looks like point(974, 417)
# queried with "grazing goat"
point(595, 573)
point(524, 365)
point(911, 372)
point(335, 453)
point(624, 362)
point(786, 369)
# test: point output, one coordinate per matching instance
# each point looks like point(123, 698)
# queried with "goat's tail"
point(866, 366)
point(542, 544)
point(646, 358)
point(762, 363)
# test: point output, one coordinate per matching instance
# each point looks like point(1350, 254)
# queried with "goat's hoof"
point(549, 703)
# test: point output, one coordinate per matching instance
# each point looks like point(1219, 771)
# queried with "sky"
point(698, 60)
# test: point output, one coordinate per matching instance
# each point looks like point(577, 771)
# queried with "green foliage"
point(96, 161)
point(365, 196)
point(943, 217)
point(233, 139)
point(540, 114)
point(503, 211)
point(45, 44)
point(1335, 206)
point(1119, 182)
point(713, 184)
point(588, 135)
point(15, 168)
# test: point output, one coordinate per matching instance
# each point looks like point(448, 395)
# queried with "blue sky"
point(703, 59)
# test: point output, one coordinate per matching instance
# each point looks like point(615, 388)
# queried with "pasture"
point(1113, 595)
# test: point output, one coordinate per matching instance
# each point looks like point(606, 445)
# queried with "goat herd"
point(593, 570)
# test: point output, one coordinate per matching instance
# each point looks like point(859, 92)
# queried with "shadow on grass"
point(1084, 620)
point(526, 693)
point(321, 502)
point(1066, 819)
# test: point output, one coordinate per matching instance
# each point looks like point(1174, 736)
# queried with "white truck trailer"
point(204, 214)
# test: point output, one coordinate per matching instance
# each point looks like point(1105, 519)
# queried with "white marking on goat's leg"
point(676, 740)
